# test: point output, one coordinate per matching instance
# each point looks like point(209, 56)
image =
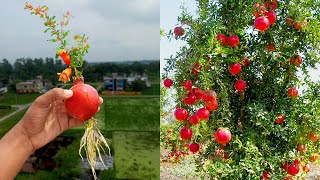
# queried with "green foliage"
point(138, 85)
point(68, 160)
point(258, 144)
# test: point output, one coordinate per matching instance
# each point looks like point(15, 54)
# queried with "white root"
point(92, 140)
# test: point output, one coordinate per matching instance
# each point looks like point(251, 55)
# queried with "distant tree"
point(138, 85)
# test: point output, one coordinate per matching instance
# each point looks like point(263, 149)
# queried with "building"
point(33, 86)
point(114, 83)
point(118, 83)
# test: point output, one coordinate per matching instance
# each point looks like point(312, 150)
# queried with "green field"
point(11, 98)
point(4, 112)
point(132, 113)
point(7, 124)
point(153, 90)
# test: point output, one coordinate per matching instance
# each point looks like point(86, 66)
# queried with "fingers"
point(51, 96)
point(101, 100)
point(75, 123)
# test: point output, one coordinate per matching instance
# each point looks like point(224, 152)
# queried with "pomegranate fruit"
point(265, 175)
point(306, 168)
point(198, 92)
point(222, 38)
point(240, 85)
point(191, 99)
point(271, 47)
point(258, 9)
point(85, 100)
point(261, 23)
point(301, 147)
point(313, 137)
point(233, 41)
point(293, 92)
point(234, 69)
point(272, 17)
point(212, 105)
point(178, 31)
point(209, 95)
point(194, 119)
point(293, 169)
point(203, 113)
point(314, 157)
point(296, 60)
point(188, 85)
point(246, 61)
point(297, 25)
point(181, 114)
point(167, 83)
point(272, 4)
point(279, 119)
point(222, 136)
point(194, 147)
point(185, 133)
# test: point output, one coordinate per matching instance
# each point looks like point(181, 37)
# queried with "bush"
point(258, 144)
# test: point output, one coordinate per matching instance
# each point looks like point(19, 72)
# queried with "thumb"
point(51, 96)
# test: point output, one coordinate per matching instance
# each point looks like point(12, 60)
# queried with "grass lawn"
point(153, 90)
point(11, 98)
point(132, 113)
point(4, 112)
point(7, 124)
point(136, 155)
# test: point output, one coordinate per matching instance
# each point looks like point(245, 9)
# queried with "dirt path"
point(175, 171)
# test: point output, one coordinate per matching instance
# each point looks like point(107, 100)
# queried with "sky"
point(118, 30)
point(169, 12)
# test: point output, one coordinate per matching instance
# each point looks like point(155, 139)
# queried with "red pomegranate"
point(272, 17)
point(234, 69)
point(178, 31)
point(293, 92)
point(194, 119)
point(306, 168)
point(279, 119)
point(223, 136)
point(288, 178)
point(261, 23)
point(240, 85)
point(265, 175)
point(209, 95)
point(301, 147)
point(203, 113)
point(313, 137)
point(246, 61)
point(198, 92)
point(194, 147)
point(212, 105)
point(293, 169)
point(271, 47)
point(222, 38)
point(185, 133)
point(188, 85)
point(190, 100)
point(258, 9)
point(181, 114)
point(314, 157)
point(233, 41)
point(296, 60)
point(167, 83)
point(85, 100)
point(272, 4)
point(297, 25)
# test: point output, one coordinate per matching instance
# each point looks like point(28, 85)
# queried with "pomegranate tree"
point(84, 103)
point(263, 116)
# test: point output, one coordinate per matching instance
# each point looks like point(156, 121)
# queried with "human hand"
point(47, 118)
